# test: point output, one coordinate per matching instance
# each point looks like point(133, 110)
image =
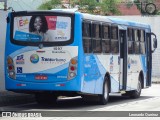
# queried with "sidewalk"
point(156, 80)
point(11, 98)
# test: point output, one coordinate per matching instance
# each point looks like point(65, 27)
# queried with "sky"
point(20, 5)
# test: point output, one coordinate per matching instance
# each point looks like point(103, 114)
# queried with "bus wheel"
point(45, 98)
point(103, 99)
point(135, 93)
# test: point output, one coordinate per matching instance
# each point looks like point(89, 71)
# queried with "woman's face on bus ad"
point(37, 23)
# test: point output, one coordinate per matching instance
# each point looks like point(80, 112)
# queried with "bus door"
point(149, 55)
point(123, 59)
point(149, 59)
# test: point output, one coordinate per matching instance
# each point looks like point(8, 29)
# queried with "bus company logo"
point(34, 58)
point(44, 59)
point(20, 59)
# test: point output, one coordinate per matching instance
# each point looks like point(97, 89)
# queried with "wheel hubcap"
point(106, 91)
point(139, 87)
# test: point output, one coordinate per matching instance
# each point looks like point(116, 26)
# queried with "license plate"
point(41, 77)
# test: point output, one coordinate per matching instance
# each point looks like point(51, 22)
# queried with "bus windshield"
point(41, 28)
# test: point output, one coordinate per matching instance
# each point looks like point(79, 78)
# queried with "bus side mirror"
point(155, 43)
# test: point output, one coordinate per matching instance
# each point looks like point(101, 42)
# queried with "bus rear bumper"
point(68, 85)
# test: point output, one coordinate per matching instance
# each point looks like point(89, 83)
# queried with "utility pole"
point(5, 4)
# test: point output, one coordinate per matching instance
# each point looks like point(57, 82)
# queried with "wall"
point(3, 15)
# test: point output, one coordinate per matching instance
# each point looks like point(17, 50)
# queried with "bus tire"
point(45, 98)
point(136, 93)
point(103, 99)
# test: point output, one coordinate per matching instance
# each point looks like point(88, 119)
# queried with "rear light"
point(10, 68)
point(73, 61)
point(72, 72)
point(9, 60)
point(72, 68)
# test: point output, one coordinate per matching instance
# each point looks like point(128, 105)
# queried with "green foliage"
point(109, 7)
point(50, 5)
point(106, 7)
point(140, 5)
point(88, 5)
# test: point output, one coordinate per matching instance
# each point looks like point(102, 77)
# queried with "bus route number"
point(57, 48)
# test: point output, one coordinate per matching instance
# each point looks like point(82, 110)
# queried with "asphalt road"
point(149, 101)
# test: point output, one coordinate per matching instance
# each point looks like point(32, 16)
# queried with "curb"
point(10, 98)
point(155, 82)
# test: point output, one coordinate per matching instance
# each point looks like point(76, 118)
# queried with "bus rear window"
point(34, 28)
point(40, 28)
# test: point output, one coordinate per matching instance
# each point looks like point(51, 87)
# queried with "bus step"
point(122, 92)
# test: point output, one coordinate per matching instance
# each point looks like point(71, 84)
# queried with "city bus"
point(68, 53)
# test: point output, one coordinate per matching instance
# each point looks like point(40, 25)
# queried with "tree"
point(51, 4)
point(89, 6)
point(141, 4)
point(105, 7)
point(109, 7)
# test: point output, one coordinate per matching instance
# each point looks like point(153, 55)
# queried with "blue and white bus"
point(61, 53)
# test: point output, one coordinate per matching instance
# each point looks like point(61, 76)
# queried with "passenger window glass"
point(105, 29)
point(142, 35)
point(87, 45)
point(96, 31)
point(97, 48)
point(87, 41)
point(114, 32)
point(136, 47)
point(106, 46)
point(142, 48)
point(86, 29)
point(114, 46)
point(130, 47)
point(136, 35)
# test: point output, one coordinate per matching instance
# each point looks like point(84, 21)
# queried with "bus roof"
point(112, 20)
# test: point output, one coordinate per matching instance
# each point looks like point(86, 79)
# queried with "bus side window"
point(136, 42)
point(142, 42)
point(114, 40)
point(96, 37)
point(130, 41)
point(86, 33)
point(105, 38)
